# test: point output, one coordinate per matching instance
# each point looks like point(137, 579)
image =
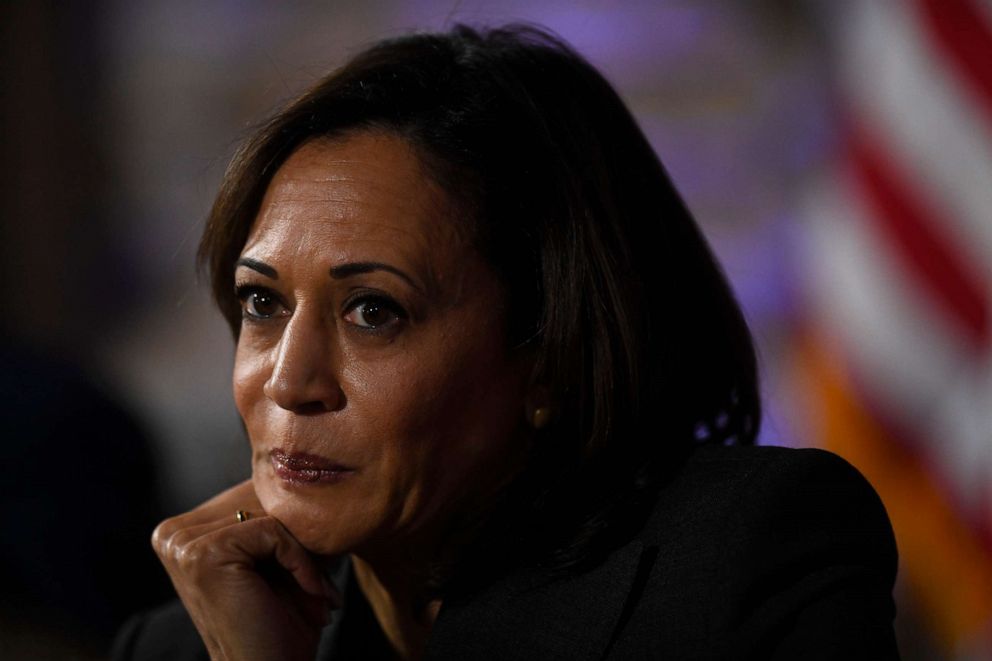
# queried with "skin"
point(400, 374)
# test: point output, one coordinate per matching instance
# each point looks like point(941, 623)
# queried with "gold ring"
point(241, 516)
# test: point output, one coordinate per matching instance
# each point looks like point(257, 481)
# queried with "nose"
point(303, 377)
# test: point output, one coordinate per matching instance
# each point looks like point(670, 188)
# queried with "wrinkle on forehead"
point(371, 198)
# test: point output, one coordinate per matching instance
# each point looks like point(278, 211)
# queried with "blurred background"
point(838, 155)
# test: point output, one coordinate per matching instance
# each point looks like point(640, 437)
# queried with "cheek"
point(393, 406)
point(443, 415)
point(407, 392)
point(248, 381)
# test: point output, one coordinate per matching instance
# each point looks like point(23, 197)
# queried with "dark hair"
point(608, 279)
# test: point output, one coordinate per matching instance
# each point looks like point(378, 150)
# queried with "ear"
point(538, 409)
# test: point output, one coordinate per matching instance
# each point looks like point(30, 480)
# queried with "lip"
point(301, 468)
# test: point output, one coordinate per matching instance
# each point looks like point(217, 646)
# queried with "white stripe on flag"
point(912, 369)
point(898, 87)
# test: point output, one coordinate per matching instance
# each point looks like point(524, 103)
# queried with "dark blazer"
point(750, 553)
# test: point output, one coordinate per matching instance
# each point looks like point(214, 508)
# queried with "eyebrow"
point(256, 265)
point(356, 268)
point(339, 272)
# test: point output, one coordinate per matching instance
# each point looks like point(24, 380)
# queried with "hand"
point(252, 590)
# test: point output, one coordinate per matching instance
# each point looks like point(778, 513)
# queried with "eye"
point(373, 313)
point(259, 302)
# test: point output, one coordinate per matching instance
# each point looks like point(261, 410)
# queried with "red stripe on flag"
point(915, 231)
point(963, 33)
point(901, 439)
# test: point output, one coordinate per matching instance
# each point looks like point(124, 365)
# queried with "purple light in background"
point(616, 35)
point(611, 36)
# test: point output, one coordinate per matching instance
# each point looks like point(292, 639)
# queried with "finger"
point(240, 497)
point(174, 533)
point(316, 610)
point(266, 537)
point(212, 549)
point(178, 537)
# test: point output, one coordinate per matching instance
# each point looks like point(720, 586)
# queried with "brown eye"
point(373, 313)
point(259, 303)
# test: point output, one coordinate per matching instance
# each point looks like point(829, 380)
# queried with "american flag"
point(894, 363)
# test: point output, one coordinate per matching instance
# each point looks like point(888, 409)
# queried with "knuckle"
point(163, 534)
point(189, 557)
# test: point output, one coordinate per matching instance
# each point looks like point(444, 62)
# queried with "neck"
point(397, 584)
point(396, 593)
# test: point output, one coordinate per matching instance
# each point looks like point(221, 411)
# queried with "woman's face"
point(372, 370)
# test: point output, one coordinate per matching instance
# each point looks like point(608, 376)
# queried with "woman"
point(497, 387)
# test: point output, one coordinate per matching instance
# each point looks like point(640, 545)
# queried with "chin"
point(314, 524)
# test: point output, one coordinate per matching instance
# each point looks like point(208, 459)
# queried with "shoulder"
point(785, 553)
point(772, 493)
point(769, 503)
point(736, 465)
point(166, 633)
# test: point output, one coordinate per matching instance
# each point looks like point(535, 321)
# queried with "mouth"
point(302, 468)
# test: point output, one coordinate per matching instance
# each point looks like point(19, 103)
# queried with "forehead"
point(365, 192)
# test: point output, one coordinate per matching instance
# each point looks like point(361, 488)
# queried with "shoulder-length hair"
point(634, 329)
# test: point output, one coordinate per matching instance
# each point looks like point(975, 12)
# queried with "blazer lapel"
point(528, 617)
